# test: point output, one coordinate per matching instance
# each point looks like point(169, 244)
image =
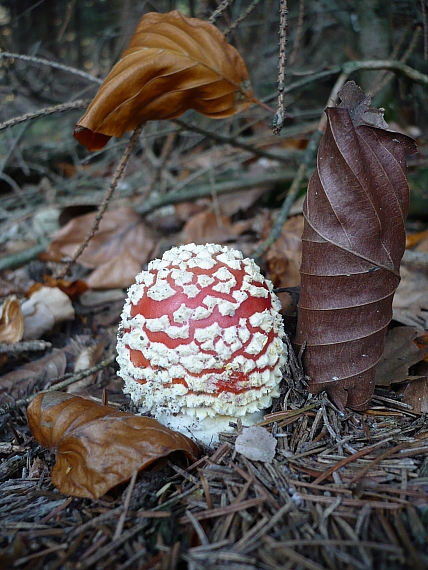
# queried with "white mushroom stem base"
point(207, 429)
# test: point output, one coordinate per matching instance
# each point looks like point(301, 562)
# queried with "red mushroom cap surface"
point(201, 335)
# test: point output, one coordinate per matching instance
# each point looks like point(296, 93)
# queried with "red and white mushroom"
point(201, 340)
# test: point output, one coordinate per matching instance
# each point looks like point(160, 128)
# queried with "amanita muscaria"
point(201, 341)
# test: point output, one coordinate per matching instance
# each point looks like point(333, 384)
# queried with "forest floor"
point(344, 490)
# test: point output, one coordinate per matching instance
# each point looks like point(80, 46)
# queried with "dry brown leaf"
point(352, 245)
point(118, 250)
point(401, 352)
point(283, 257)
point(410, 302)
point(416, 395)
point(172, 64)
point(208, 227)
point(11, 321)
point(88, 356)
point(96, 446)
point(32, 377)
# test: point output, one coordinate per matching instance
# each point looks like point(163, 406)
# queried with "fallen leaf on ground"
point(284, 255)
point(410, 304)
point(416, 395)
point(401, 352)
point(257, 444)
point(46, 307)
point(11, 321)
point(96, 446)
point(32, 377)
point(88, 356)
point(207, 227)
point(117, 251)
point(172, 64)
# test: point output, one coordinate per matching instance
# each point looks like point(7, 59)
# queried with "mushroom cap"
point(201, 340)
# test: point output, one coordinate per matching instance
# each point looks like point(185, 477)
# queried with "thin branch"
point(352, 66)
point(388, 76)
point(24, 346)
point(242, 17)
point(292, 193)
point(53, 64)
point(298, 32)
point(104, 204)
point(425, 25)
point(219, 11)
point(80, 104)
point(230, 140)
point(198, 191)
point(60, 385)
point(279, 117)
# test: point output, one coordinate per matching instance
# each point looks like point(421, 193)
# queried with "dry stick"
point(24, 346)
point(425, 25)
point(278, 119)
point(242, 17)
point(310, 152)
point(41, 61)
point(60, 385)
point(389, 75)
point(80, 104)
point(104, 204)
point(126, 504)
point(219, 11)
point(230, 140)
point(298, 32)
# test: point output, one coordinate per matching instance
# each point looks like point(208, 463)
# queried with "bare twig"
point(126, 504)
point(81, 104)
point(60, 385)
point(24, 346)
point(298, 32)
point(278, 120)
point(231, 140)
point(389, 75)
point(292, 193)
point(219, 11)
point(53, 64)
point(103, 206)
point(425, 25)
point(242, 17)
point(352, 66)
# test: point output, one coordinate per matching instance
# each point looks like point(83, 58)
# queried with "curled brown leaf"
point(173, 63)
point(11, 321)
point(353, 242)
point(96, 446)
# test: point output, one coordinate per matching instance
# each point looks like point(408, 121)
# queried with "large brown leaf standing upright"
point(172, 64)
point(353, 242)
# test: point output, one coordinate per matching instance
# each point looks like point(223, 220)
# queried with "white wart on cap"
point(201, 340)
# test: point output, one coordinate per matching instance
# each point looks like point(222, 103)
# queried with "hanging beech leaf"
point(172, 64)
point(353, 242)
point(96, 446)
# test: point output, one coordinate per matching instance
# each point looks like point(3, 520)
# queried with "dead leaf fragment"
point(173, 63)
point(32, 377)
point(11, 321)
point(96, 446)
point(257, 444)
point(416, 395)
point(117, 251)
point(401, 352)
